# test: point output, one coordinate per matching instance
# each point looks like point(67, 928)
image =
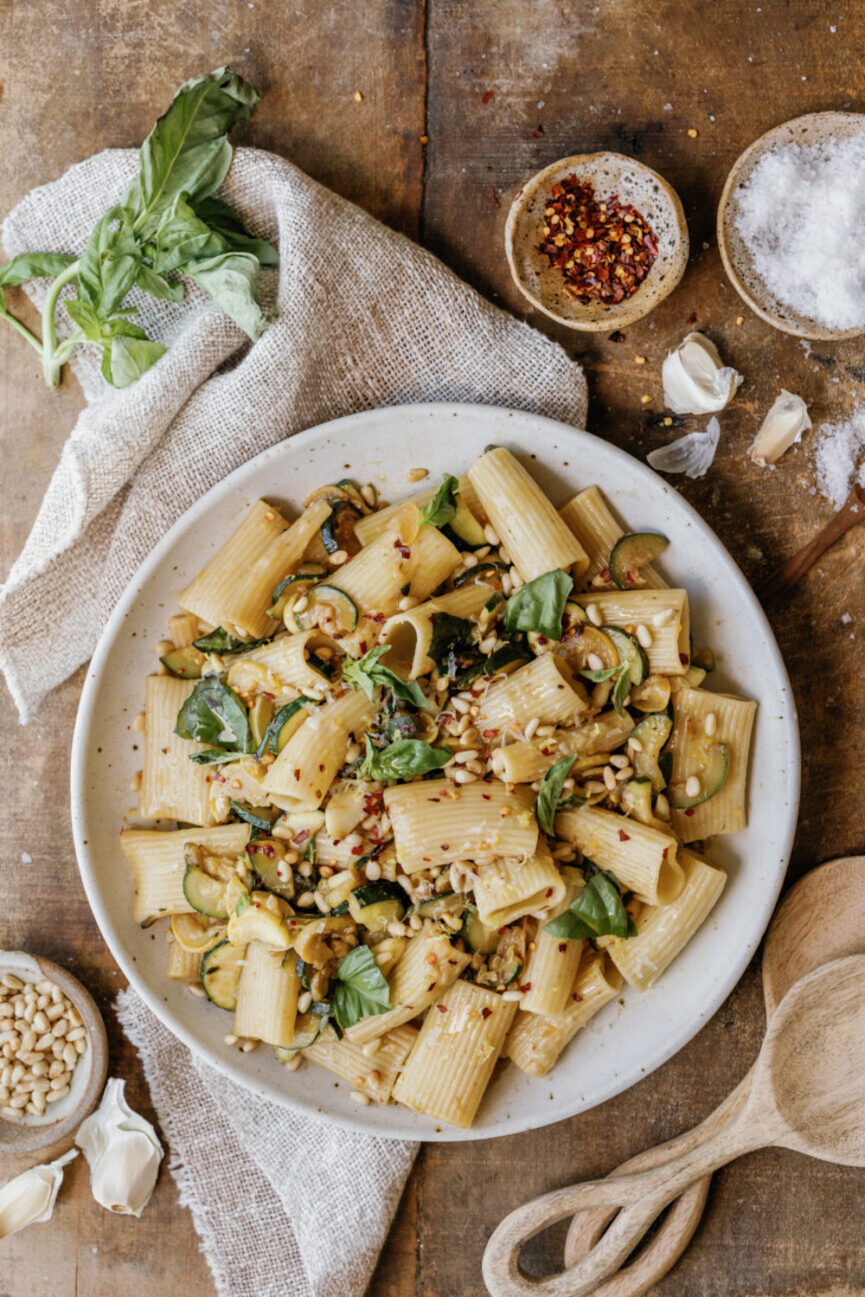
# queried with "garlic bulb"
point(123, 1152)
point(691, 454)
point(782, 426)
point(696, 380)
point(30, 1197)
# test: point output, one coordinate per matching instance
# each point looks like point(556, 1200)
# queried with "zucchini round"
point(584, 641)
point(712, 769)
point(260, 817)
point(195, 933)
point(337, 530)
point(265, 855)
point(204, 893)
point(281, 727)
point(307, 1029)
point(184, 662)
point(477, 936)
point(293, 586)
point(652, 733)
point(220, 974)
point(466, 531)
point(434, 907)
point(375, 905)
point(631, 554)
point(631, 651)
point(637, 800)
point(330, 608)
point(484, 569)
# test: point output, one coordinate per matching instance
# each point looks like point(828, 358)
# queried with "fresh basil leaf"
point(214, 757)
point(187, 151)
point(549, 793)
point(367, 672)
point(33, 265)
point(214, 714)
point(125, 359)
point(442, 508)
point(571, 803)
point(598, 911)
point(538, 605)
point(231, 279)
point(182, 236)
point(97, 329)
point(404, 759)
point(150, 281)
point(223, 220)
point(606, 673)
point(452, 637)
point(361, 990)
point(622, 689)
point(109, 264)
point(221, 641)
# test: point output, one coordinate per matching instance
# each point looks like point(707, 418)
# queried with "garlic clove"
point(782, 426)
point(123, 1152)
point(29, 1198)
point(692, 454)
point(696, 380)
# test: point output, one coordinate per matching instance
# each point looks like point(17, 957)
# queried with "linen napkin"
point(364, 318)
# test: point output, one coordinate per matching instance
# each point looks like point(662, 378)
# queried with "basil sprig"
point(404, 759)
point(367, 672)
point(442, 508)
point(598, 911)
point(214, 714)
point(538, 605)
point(167, 222)
point(361, 990)
point(215, 757)
point(549, 793)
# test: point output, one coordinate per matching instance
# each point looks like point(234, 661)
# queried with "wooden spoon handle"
point(644, 1195)
point(676, 1230)
point(785, 577)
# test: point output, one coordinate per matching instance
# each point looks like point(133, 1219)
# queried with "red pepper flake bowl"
point(625, 242)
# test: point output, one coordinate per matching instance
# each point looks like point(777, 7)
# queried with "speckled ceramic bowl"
point(813, 128)
point(635, 184)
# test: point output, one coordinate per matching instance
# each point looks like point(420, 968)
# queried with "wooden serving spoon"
point(794, 946)
point(807, 1094)
point(782, 580)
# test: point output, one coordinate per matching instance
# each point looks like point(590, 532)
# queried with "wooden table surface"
point(462, 100)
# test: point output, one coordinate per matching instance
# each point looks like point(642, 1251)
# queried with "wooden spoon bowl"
point(93, 1064)
point(609, 173)
point(813, 128)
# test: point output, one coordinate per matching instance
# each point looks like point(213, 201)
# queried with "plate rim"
point(717, 993)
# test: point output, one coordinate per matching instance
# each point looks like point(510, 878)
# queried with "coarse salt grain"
point(800, 214)
point(838, 452)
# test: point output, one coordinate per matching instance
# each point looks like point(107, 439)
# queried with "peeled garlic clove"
point(691, 454)
point(782, 426)
point(696, 380)
point(123, 1152)
point(30, 1197)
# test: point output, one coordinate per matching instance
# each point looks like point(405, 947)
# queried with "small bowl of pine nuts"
point(53, 1052)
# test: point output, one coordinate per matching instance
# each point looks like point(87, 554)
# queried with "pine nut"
point(594, 663)
point(491, 535)
point(373, 871)
point(464, 777)
point(11, 982)
point(362, 1099)
point(373, 1077)
point(230, 1039)
point(609, 778)
point(306, 900)
point(339, 557)
point(692, 786)
point(57, 1094)
point(593, 613)
point(531, 727)
point(710, 724)
point(644, 636)
point(371, 1047)
point(417, 474)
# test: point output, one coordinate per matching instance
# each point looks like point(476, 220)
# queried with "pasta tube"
point(307, 765)
point(157, 863)
point(545, 689)
point(591, 520)
point(172, 786)
point(694, 735)
point(428, 966)
point(523, 763)
point(508, 889)
point(663, 613)
point(642, 859)
point(372, 1076)
point(535, 1042)
point(409, 634)
point(266, 996)
point(373, 524)
point(435, 822)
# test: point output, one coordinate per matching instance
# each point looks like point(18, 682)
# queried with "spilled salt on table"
point(838, 452)
point(801, 215)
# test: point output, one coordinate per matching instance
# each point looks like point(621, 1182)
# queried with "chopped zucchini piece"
point(637, 800)
point(652, 695)
point(467, 531)
point(264, 920)
point(196, 932)
point(703, 658)
point(434, 907)
point(300, 827)
point(584, 640)
point(220, 974)
point(486, 568)
point(337, 889)
point(652, 733)
point(631, 554)
point(478, 937)
point(337, 530)
point(375, 905)
point(709, 769)
point(184, 662)
point(292, 587)
point(262, 818)
point(330, 608)
point(280, 729)
point(260, 716)
point(204, 893)
point(265, 856)
point(307, 1029)
point(629, 650)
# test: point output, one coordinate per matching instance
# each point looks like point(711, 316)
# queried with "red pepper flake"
point(302, 837)
point(539, 132)
point(549, 891)
point(623, 836)
point(404, 550)
point(604, 249)
point(297, 775)
point(690, 811)
point(357, 851)
point(442, 1008)
point(576, 997)
point(486, 797)
point(665, 853)
point(526, 986)
point(487, 96)
point(684, 659)
point(692, 318)
point(321, 767)
point(489, 734)
point(444, 845)
point(563, 945)
point(485, 1013)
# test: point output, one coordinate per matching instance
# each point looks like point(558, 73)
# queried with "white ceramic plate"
point(626, 1041)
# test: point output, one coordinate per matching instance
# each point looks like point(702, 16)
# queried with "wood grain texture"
point(776, 1224)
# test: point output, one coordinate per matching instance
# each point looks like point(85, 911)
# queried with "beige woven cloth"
point(284, 1205)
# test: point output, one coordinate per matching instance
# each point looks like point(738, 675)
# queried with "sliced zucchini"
point(477, 936)
point(652, 695)
point(467, 531)
point(330, 608)
point(704, 659)
point(220, 974)
point(281, 727)
point(506, 658)
point(631, 651)
point(195, 932)
point(434, 907)
point(710, 768)
point(375, 905)
point(260, 817)
point(652, 733)
point(293, 586)
point(260, 716)
point(307, 823)
point(583, 641)
point(264, 920)
point(637, 800)
point(184, 662)
point(337, 530)
point(631, 554)
point(692, 679)
point(265, 855)
point(331, 492)
point(486, 568)
point(307, 1029)
point(204, 893)
point(496, 600)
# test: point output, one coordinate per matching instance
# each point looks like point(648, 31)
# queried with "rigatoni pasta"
point(416, 806)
